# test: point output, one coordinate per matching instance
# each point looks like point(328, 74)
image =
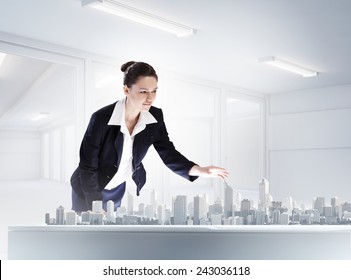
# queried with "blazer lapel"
point(119, 146)
point(138, 147)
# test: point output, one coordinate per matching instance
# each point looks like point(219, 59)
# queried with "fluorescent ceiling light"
point(2, 58)
point(39, 116)
point(119, 9)
point(288, 66)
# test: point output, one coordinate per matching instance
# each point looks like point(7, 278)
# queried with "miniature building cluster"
point(232, 211)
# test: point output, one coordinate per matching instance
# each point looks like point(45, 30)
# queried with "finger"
point(225, 172)
point(220, 175)
point(223, 176)
point(221, 172)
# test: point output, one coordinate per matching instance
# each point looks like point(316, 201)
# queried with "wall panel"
point(19, 155)
point(310, 144)
point(305, 174)
point(322, 129)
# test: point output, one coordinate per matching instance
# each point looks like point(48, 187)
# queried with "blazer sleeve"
point(89, 160)
point(173, 159)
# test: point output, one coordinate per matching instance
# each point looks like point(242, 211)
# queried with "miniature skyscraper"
point(180, 210)
point(263, 195)
point(60, 215)
point(228, 201)
point(200, 210)
point(110, 215)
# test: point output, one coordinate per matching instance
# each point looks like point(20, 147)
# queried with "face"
point(142, 94)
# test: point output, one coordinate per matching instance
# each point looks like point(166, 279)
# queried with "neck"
point(131, 114)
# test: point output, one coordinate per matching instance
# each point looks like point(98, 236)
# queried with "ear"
point(126, 90)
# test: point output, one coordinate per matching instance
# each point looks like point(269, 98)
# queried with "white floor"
point(26, 202)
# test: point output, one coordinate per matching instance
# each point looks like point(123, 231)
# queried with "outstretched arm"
point(209, 171)
point(178, 163)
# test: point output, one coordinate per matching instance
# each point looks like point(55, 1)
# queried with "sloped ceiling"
point(231, 36)
point(29, 86)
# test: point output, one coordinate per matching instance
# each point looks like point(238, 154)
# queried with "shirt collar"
point(117, 117)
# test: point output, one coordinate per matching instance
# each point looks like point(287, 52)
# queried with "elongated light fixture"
point(119, 9)
point(39, 116)
point(288, 66)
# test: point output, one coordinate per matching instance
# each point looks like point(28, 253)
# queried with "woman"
point(117, 139)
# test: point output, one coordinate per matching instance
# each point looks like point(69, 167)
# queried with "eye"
point(143, 92)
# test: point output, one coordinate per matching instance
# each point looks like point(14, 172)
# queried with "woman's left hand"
point(209, 171)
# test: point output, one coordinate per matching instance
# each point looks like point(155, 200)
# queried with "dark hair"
point(134, 70)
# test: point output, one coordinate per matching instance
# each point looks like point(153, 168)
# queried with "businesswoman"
point(117, 139)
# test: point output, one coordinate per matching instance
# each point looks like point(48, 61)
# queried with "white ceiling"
point(15, 69)
point(231, 36)
point(28, 87)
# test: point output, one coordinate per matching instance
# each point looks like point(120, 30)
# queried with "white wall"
point(243, 148)
point(243, 155)
point(19, 155)
point(310, 144)
point(192, 115)
point(58, 160)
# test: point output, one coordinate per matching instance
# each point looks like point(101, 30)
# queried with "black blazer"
point(101, 150)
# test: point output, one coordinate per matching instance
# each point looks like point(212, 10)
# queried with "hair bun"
point(126, 65)
point(133, 71)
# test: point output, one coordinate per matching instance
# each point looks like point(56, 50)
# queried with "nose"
point(151, 96)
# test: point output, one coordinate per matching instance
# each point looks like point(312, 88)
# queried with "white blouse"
point(125, 169)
